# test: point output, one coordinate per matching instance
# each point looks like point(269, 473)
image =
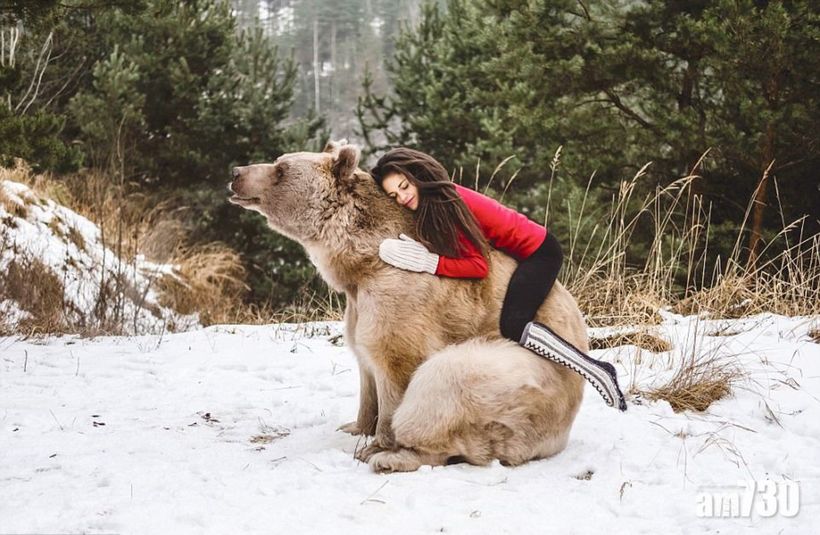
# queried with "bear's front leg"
point(389, 395)
point(365, 423)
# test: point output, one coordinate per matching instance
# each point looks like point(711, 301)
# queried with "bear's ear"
point(346, 161)
point(333, 146)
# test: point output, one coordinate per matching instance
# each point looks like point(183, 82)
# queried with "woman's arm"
point(406, 253)
point(503, 227)
point(472, 265)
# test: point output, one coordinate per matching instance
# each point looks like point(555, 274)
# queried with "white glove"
point(407, 253)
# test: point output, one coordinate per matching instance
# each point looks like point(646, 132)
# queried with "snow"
point(232, 429)
point(73, 248)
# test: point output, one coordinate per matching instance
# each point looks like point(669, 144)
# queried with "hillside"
point(60, 272)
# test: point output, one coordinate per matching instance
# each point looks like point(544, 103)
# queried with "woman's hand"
point(407, 253)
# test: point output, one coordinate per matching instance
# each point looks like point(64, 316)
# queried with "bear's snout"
point(243, 192)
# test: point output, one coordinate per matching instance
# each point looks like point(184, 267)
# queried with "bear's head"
point(318, 198)
point(295, 192)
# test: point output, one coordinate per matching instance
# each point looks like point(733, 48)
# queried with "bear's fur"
point(437, 380)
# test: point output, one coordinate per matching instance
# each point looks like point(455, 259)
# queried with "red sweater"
point(503, 227)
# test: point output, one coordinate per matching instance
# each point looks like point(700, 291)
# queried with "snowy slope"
point(72, 247)
point(231, 429)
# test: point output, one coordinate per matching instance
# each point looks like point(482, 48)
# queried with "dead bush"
point(37, 290)
point(697, 384)
point(208, 280)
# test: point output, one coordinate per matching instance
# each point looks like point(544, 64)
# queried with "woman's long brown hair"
point(441, 214)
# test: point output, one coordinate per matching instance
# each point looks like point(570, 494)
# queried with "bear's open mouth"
point(237, 199)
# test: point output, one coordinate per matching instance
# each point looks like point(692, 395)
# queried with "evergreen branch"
point(586, 10)
point(616, 101)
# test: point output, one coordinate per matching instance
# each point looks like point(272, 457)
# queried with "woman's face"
point(400, 189)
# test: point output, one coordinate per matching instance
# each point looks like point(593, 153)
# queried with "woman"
point(456, 226)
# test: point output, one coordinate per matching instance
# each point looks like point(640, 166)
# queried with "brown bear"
point(437, 380)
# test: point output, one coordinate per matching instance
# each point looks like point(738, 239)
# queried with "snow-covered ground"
point(231, 429)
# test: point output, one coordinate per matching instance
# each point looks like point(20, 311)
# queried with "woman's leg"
point(529, 286)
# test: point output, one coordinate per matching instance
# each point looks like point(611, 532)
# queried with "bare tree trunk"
point(316, 93)
point(333, 88)
point(686, 101)
point(771, 91)
point(8, 47)
point(759, 202)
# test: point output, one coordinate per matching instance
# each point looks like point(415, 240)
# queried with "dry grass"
point(90, 194)
point(56, 227)
point(611, 291)
point(788, 284)
point(608, 302)
point(164, 235)
point(704, 371)
point(38, 291)
point(313, 307)
point(44, 185)
point(5, 321)
point(12, 206)
point(697, 383)
point(814, 334)
point(643, 339)
point(124, 217)
point(76, 237)
point(67, 233)
point(209, 280)
point(310, 307)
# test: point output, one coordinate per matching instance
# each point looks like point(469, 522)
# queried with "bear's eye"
point(280, 172)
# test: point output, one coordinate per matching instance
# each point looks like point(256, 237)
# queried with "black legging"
point(529, 286)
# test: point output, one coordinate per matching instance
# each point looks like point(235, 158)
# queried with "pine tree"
point(616, 84)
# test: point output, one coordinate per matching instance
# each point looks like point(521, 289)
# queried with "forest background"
point(554, 106)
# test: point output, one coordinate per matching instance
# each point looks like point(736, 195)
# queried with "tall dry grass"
point(698, 382)
point(676, 272)
point(208, 280)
